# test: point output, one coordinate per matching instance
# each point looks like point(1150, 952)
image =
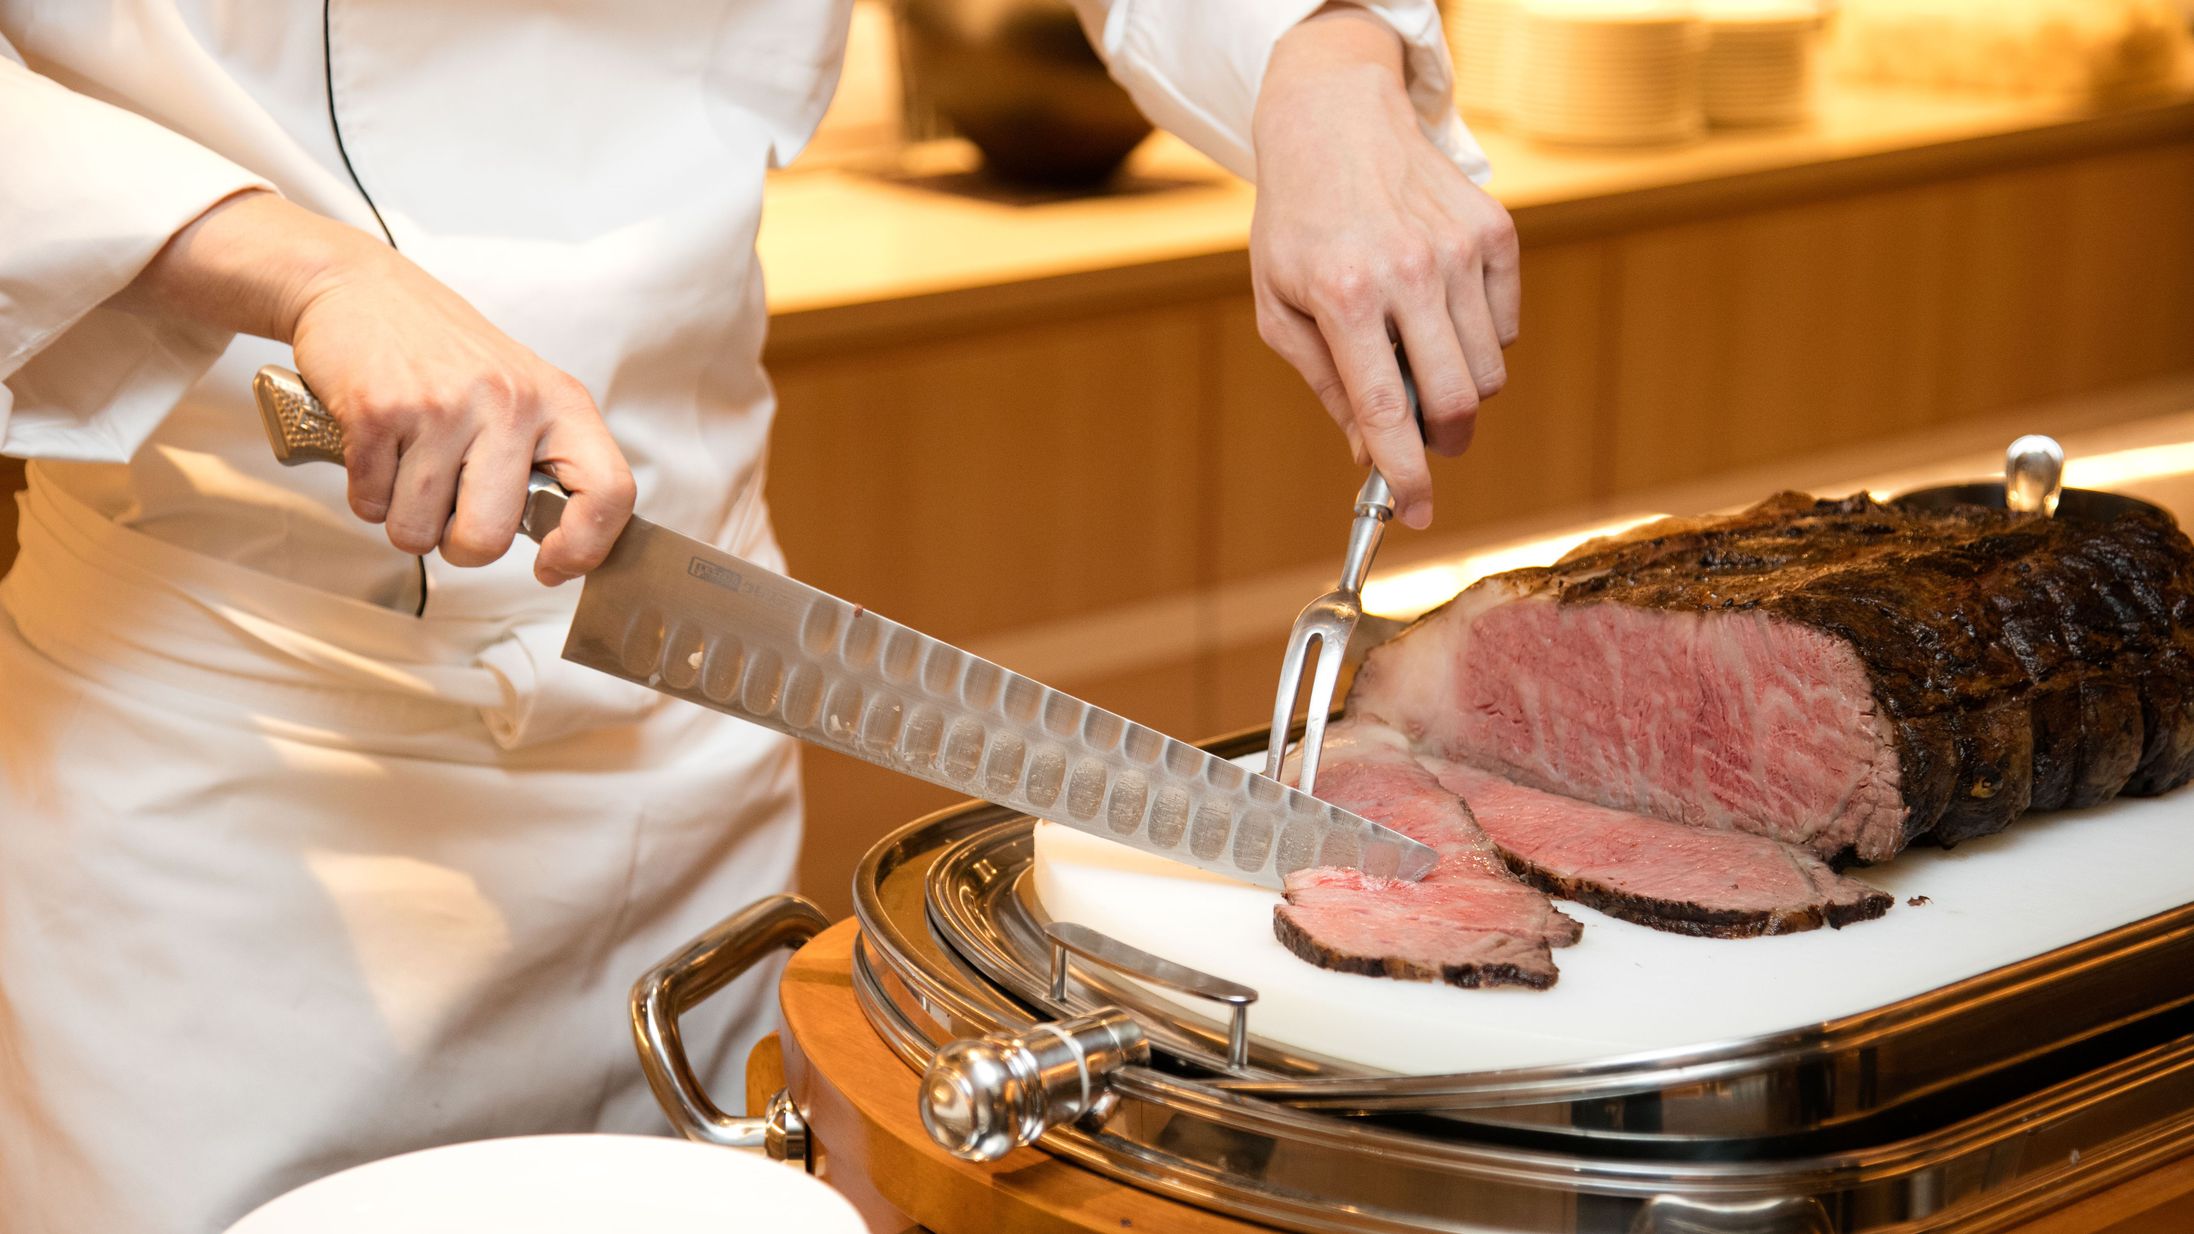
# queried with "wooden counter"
point(1047, 427)
point(915, 245)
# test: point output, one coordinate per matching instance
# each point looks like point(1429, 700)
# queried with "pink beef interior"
point(1729, 720)
point(1693, 880)
point(1469, 922)
point(1472, 931)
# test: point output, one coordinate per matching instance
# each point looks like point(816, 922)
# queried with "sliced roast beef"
point(1689, 880)
point(1841, 675)
point(1468, 923)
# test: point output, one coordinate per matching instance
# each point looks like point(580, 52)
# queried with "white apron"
point(274, 902)
point(290, 878)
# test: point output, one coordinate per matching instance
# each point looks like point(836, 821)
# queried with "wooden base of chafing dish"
point(866, 1139)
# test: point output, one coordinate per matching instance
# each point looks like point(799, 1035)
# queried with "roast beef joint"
point(1695, 724)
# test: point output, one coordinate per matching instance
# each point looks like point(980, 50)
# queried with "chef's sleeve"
point(1194, 66)
point(89, 194)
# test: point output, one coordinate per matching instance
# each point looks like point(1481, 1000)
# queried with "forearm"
point(249, 264)
point(1340, 64)
point(1368, 234)
point(1338, 38)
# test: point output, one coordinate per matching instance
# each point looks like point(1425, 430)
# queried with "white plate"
point(1538, 42)
point(560, 1184)
point(1716, 62)
point(1561, 135)
point(1579, 119)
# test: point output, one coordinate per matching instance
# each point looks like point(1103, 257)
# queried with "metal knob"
point(2033, 476)
point(983, 1098)
point(784, 1130)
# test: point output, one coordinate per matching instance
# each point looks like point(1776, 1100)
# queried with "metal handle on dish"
point(679, 984)
point(1099, 948)
point(2033, 475)
point(301, 429)
point(983, 1097)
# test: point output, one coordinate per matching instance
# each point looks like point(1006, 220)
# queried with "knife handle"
point(299, 426)
point(301, 429)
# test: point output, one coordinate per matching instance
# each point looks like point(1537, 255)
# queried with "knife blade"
point(685, 618)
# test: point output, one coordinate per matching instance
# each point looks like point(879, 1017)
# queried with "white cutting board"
point(2049, 880)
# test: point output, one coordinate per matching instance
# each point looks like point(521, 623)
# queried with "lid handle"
point(1099, 948)
point(2033, 475)
point(983, 1097)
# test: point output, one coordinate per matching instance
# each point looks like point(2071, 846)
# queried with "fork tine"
point(1291, 680)
point(1322, 682)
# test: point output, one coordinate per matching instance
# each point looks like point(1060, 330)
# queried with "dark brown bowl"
point(1017, 78)
point(2086, 504)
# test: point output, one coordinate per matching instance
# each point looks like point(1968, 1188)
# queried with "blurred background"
point(1767, 244)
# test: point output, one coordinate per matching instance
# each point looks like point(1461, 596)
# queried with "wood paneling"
point(1744, 339)
point(2070, 275)
point(1741, 339)
point(1013, 476)
point(2129, 306)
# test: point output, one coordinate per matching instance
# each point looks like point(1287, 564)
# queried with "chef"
point(312, 850)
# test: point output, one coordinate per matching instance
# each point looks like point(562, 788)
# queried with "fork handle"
point(1374, 506)
point(1375, 500)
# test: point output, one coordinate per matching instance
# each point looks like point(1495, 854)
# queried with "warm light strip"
point(2130, 466)
point(1406, 593)
point(2119, 467)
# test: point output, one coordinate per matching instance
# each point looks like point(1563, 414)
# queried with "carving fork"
point(1329, 621)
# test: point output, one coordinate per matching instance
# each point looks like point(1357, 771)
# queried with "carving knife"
point(692, 621)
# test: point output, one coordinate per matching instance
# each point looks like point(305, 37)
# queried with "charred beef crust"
point(2022, 663)
point(1699, 920)
point(1469, 976)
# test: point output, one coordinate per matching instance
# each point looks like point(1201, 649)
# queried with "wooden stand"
point(867, 1141)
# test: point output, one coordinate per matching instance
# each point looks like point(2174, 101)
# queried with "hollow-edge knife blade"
point(692, 621)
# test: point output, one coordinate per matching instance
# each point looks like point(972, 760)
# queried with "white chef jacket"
point(291, 877)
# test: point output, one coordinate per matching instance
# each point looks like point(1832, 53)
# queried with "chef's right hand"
point(443, 415)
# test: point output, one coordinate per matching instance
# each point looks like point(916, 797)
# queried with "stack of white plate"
point(1610, 72)
point(1758, 68)
point(1483, 37)
point(2107, 48)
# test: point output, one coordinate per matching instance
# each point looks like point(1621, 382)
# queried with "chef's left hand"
point(1367, 234)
